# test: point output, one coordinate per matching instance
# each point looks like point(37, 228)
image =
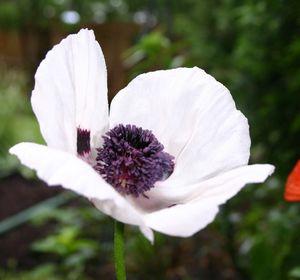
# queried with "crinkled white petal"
point(71, 91)
point(60, 168)
point(198, 211)
point(192, 115)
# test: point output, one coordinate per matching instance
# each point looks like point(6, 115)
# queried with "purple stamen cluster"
point(132, 160)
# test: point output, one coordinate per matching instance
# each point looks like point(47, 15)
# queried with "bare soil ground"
point(17, 194)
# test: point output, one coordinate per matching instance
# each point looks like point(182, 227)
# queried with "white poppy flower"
point(174, 148)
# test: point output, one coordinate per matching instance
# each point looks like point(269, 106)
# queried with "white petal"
point(193, 115)
point(71, 91)
point(198, 211)
point(183, 220)
point(60, 168)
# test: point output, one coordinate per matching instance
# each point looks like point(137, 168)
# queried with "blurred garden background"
point(251, 46)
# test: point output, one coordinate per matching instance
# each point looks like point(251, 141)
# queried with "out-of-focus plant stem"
point(119, 251)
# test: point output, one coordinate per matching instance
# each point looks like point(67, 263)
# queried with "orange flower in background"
point(292, 187)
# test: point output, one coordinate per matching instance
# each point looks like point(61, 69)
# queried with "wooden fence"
point(27, 48)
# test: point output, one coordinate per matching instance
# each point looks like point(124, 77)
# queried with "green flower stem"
point(119, 251)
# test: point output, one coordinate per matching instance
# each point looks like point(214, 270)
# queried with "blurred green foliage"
point(44, 13)
point(69, 244)
point(17, 121)
point(44, 271)
point(79, 245)
point(253, 48)
point(143, 56)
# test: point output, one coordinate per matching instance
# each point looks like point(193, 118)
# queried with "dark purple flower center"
point(132, 160)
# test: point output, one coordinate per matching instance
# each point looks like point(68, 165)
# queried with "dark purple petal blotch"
point(83, 141)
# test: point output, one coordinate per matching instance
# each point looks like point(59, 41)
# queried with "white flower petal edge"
point(186, 219)
point(71, 91)
point(60, 168)
point(193, 116)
